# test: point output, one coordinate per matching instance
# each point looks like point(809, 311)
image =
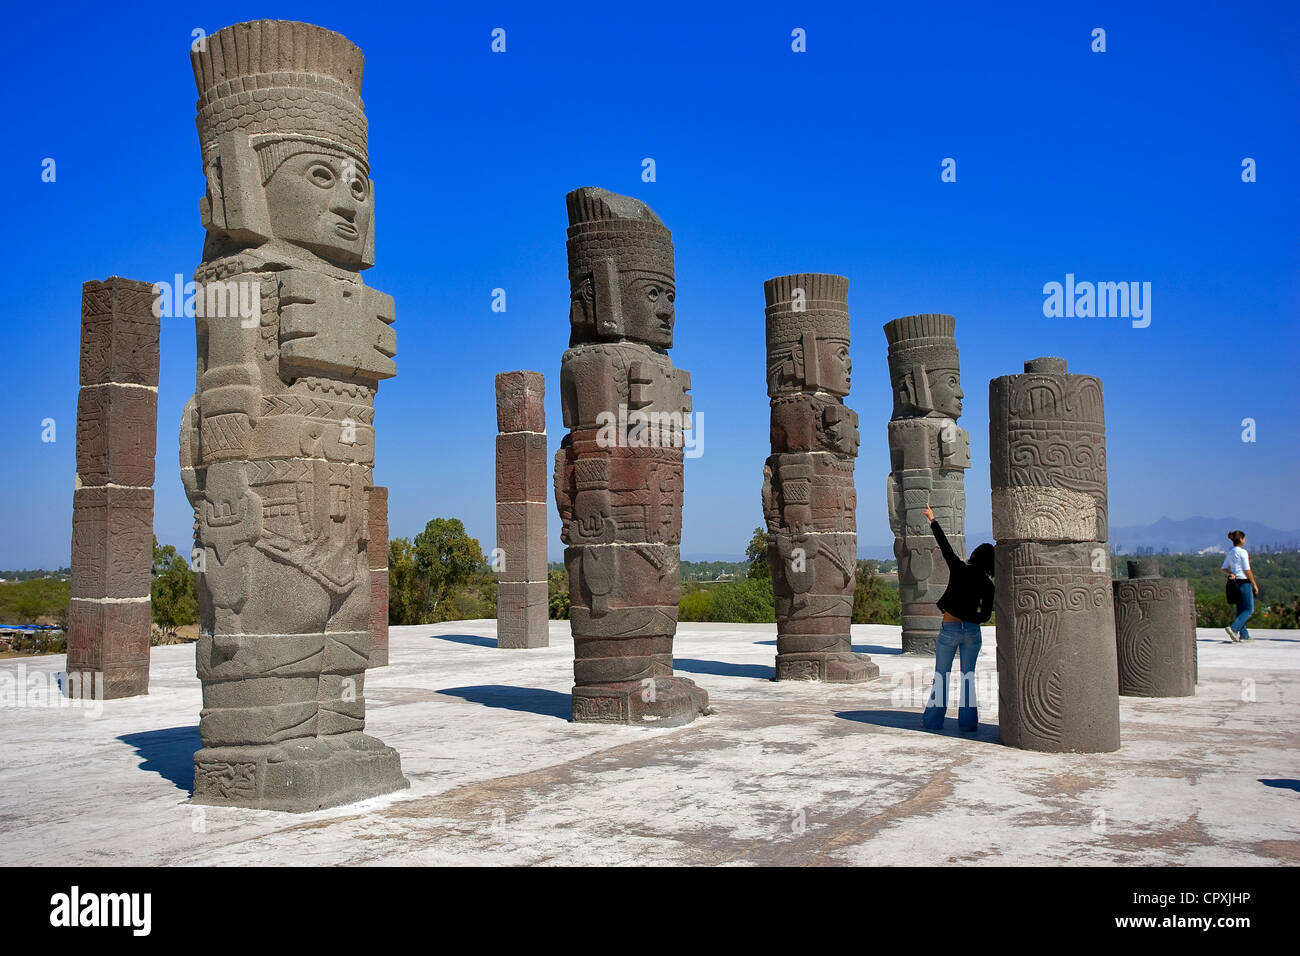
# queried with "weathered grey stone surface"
point(277, 445)
point(1155, 632)
point(1057, 672)
point(522, 603)
point(618, 473)
point(109, 612)
point(377, 551)
point(808, 491)
point(928, 458)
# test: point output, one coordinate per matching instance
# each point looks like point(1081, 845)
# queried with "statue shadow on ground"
point(168, 753)
point(478, 640)
point(911, 720)
point(525, 700)
point(1281, 784)
point(724, 669)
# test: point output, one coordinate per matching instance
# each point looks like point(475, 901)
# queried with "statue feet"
point(298, 775)
point(832, 667)
point(653, 702)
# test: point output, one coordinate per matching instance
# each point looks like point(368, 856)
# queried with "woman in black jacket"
point(966, 604)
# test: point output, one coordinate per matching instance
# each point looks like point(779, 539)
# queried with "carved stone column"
point(1155, 632)
point(809, 499)
point(618, 473)
point(109, 612)
point(928, 457)
point(1057, 673)
point(277, 445)
point(522, 596)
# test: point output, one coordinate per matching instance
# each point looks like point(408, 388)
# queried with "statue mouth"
point(345, 230)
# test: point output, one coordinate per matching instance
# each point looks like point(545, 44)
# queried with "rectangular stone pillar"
point(109, 614)
point(522, 599)
point(377, 552)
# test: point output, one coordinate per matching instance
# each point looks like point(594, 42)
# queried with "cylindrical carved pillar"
point(1057, 673)
point(618, 473)
point(928, 457)
point(1155, 632)
point(809, 499)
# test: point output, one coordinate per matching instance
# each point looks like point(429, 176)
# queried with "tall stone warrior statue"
point(808, 493)
point(277, 444)
point(618, 473)
point(928, 455)
point(1058, 681)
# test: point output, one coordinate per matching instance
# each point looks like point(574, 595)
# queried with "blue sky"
point(1115, 166)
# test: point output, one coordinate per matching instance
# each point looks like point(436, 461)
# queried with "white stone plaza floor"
point(789, 773)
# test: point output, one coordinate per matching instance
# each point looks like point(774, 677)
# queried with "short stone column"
point(1155, 633)
point(520, 561)
point(1057, 679)
point(377, 552)
point(109, 614)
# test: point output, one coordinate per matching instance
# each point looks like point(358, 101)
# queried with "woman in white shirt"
point(1236, 565)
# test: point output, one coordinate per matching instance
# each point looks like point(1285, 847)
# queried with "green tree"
point(747, 601)
point(404, 592)
point(174, 591)
point(756, 556)
point(445, 557)
point(557, 593)
point(874, 601)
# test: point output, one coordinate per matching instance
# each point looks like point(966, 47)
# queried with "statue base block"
point(298, 776)
point(830, 667)
point(920, 642)
point(655, 702)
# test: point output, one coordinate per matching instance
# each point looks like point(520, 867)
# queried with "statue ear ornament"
point(607, 301)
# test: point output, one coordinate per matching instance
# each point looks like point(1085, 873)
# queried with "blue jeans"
point(1245, 608)
point(954, 636)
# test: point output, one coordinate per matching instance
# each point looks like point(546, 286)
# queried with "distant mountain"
point(1189, 535)
point(1181, 536)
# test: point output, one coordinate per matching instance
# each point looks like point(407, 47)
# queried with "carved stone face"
point(945, 391)
point(835, 366)
point(321, 203)
point(648, 313)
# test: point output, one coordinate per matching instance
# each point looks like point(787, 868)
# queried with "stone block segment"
point(109, 614)
point(1155, 633)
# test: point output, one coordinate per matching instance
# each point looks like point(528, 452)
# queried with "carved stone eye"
point(652, 293)
point(360, 188)
point(320, 175)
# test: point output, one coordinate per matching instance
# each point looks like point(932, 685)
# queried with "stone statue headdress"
point(270, 90)
point(803, 310)
point(613, 242)
point(919, 347)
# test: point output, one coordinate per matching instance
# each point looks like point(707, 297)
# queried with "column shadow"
point(1282, 784)
point(478, 640)
point(725, 669)
point(168, 753)
point(911, 720)
point(524, 700)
